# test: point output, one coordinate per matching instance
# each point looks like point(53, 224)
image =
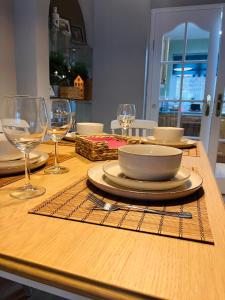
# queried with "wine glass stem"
point(27, 171)
point(56, 154)
point(124, 131)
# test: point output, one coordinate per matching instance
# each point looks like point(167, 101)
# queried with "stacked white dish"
point(114, 173)
point(139, 161)
point(169, 136)
point(12, 160)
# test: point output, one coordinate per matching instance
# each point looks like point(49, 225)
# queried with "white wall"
point(31, 44)
point(120, 33)
point(7, 54)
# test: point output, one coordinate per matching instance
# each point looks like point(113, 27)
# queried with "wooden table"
point(99, 262)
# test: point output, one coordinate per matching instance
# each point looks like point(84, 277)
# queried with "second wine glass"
point(59, 124)
point(126, 116)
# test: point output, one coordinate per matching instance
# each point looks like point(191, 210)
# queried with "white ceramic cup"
point(168, 134)
point(89, 128)
point(149, 162)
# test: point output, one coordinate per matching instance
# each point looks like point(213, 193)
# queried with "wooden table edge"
point(68, 282)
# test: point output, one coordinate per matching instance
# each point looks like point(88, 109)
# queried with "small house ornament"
point(79, 83)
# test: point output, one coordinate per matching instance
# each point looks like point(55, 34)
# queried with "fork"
point(112, 207)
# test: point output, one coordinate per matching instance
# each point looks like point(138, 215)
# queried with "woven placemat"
point(50, 162)
point(193, 152)
point(71, 204)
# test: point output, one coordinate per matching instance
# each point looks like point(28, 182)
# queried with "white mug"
point(89, 128)
point(168, 134)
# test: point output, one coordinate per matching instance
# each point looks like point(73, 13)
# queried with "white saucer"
point(184, 143)
point(11, 156)
point(113, 172)
point(70, 136)
point(17, 166)
point(97, 177)
point(8, 151)
point(34, 156)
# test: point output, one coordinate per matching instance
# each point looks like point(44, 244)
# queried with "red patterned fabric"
point(112, 142)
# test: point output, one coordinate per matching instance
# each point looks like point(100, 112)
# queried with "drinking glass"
point(59, 124)
point(126, 116)
point(24, 124)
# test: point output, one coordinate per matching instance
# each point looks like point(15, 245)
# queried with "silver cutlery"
point(112, 207)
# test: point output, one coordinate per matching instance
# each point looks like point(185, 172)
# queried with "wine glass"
point(59, 124)
point(126, 116)
point(24, 124)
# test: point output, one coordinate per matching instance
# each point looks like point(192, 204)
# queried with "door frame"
point(220, 84)
point(214, 134)
point(150, 50)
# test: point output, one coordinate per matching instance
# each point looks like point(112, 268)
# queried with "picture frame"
point(64, 26)
point(77, 34)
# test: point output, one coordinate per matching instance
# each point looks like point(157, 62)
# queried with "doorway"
point(185, 86)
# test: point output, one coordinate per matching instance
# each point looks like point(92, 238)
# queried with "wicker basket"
point(101, 150)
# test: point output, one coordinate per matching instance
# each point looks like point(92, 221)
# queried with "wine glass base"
point(24, 192)
point(56, 170)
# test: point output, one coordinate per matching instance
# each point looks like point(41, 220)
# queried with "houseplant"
point(67, 85)
point(58, 70)
point(62, 77)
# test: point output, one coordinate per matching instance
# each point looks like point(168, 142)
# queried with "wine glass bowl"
point(24, 124)
point(126, 116)
point(59, 124)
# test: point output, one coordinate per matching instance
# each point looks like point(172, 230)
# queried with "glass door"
point(220, 155)
point(183, 68)
point(216, 151)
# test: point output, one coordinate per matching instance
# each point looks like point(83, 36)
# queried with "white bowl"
point(149, 162)
point(89, 128)
point(168, 134)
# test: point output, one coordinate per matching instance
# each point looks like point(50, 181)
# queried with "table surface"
point(108, 263)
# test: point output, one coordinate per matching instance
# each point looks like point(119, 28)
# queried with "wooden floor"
point(39, 295)
point(10, 290)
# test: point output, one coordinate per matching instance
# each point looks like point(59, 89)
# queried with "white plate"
point(17, 166)
point(97, 177)
point(70, 136)
point(34, 156)
point(11, 156)
point(113, 172)
point(8, 151)
point(184, 143)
